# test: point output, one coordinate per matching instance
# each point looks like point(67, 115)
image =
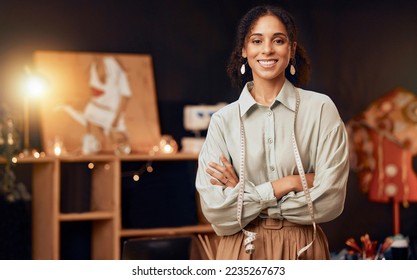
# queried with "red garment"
point(383, 142)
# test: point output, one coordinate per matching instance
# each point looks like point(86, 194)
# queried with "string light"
point(137, 174)
point(136, 177)
point(149, 168)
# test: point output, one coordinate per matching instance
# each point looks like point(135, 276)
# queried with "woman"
point(250, 184)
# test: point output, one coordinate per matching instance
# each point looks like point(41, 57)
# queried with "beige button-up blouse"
point(323, 147)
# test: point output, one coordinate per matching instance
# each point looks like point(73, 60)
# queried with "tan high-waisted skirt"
point(276, 240)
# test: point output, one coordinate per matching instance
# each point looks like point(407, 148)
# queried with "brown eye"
point(280, 41)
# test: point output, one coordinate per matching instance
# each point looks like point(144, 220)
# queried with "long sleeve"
point(330, 163)
point(322, 142)
point(220, 205)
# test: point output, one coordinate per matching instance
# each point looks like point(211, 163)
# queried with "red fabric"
point(96, 92)
point(383, 142)
point(392, 157)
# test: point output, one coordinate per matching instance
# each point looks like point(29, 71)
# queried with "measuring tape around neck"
point(251, 236)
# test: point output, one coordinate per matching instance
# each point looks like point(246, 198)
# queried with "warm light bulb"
point(167, 145)
point(57, 150)
point(57, 147)
point(168, 149)
point(35, 86)
point(149, 169)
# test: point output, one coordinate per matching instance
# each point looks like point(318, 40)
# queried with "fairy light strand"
point(137, 174)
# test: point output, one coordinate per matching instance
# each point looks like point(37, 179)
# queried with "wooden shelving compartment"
point(105, 209)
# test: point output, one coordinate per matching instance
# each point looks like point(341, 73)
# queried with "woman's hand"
point(291, 183)
point(222, 175)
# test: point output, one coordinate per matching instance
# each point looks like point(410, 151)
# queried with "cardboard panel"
point(84, 94)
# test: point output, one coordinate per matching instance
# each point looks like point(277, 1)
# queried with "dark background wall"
point(359, 51)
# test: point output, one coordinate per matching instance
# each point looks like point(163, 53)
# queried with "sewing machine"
point(196, 120)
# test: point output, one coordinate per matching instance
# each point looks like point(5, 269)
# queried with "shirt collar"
point(286, 97)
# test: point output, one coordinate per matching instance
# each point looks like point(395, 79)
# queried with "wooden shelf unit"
point(105, 213)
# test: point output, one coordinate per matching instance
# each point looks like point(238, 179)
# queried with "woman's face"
point(268, 49)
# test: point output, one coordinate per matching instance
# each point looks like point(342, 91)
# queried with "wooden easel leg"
point(396, 217)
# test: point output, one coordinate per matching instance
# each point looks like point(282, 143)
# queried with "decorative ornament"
point(120, 144)
point(90, 144)
point(411, 111)
point(10, 189)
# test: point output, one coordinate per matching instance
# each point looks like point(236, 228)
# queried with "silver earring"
point(243, 69)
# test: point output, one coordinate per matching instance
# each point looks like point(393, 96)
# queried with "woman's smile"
point(268, 63)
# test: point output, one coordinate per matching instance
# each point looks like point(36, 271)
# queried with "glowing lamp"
point(33, 87)
point(167, 145)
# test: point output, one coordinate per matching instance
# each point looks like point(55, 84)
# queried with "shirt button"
point(272, 168)
point(269, 113)
point(270, 141)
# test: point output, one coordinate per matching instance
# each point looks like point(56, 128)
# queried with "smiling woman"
point(268, 52)
point(283, 36)
point(272, 168)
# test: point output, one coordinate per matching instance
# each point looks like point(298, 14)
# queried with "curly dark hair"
point(302, 63)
